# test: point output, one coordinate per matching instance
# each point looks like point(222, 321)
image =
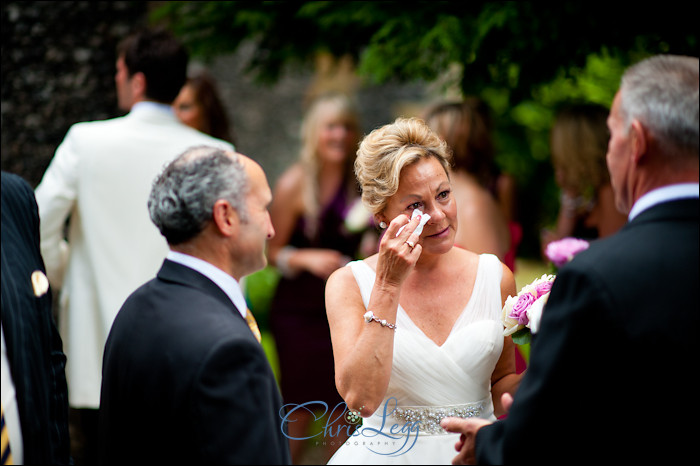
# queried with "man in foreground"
point(185, 379)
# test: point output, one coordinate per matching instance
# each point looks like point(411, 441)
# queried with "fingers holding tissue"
point(414, 236)
point(399, 250)
point(423, 220)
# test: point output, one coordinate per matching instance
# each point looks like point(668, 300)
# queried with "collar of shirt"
point(225, 281)
point(664, 194)
point(148, 104)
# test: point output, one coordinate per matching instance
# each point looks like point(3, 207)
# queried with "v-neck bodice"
point(458, 371)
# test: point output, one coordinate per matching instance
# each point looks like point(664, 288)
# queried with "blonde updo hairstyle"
point(386, 151)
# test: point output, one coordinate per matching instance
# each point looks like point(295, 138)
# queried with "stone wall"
point(58, 69)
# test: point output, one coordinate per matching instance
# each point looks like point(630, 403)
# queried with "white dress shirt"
point(226, 282)
point(672, 192)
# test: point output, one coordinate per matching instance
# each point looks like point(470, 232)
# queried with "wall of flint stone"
point(58, 69)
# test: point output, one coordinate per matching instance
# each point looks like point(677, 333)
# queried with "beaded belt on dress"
point(430, 416)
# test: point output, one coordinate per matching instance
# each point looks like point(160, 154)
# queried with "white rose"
point(511, 325)
point(358, 217)
point(535, 313)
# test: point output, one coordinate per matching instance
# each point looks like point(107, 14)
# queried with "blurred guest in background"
point(482, 193)
point(199, 106)
point(319, 223)
point(34, 392)
point(98, 181)
point(579, 141)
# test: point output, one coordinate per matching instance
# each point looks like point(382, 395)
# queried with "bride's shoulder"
point(341, 286)
point(345, 276)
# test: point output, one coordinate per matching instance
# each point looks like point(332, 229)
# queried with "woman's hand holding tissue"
point(399, 249)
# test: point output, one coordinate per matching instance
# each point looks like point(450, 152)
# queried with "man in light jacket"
point(99, 181)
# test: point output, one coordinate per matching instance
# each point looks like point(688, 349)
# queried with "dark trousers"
point(83, 435)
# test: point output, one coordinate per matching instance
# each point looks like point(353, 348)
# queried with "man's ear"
point(640, 142)
point(226, 218)
point(138, 85)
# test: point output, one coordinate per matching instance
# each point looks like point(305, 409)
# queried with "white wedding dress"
point(429, 382)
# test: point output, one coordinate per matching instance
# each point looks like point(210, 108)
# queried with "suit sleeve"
point(234, 407)
point(566, 354)
point(35, 350)
point(56, 196)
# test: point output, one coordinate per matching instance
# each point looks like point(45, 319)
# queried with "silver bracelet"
point(369, 317)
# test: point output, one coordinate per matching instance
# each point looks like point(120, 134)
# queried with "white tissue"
point(423, 220)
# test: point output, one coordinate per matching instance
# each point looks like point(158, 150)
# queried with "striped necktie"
point(252, 324)
point(6, 454)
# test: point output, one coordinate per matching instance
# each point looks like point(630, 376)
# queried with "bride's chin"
point(439, 247)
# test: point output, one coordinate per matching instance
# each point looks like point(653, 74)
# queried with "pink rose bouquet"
point(522, 313)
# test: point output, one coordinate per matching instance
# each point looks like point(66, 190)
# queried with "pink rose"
point(562, 251)
point(520, 308)
point(543, 288)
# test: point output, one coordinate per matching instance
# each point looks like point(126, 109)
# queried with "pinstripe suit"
point(34, 348)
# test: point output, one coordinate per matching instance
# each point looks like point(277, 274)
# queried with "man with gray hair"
point(617, 338)
point(185, 378)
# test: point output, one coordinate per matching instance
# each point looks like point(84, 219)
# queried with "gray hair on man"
point(183, 196)
point(662, 93)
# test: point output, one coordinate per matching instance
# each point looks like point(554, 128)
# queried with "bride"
point(416, 328)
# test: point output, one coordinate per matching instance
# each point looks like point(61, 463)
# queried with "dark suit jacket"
point(185, 381)
point(612, 368)
point(34, 347)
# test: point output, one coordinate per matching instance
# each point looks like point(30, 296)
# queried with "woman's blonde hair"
point(338, 106)
point(386, 151)
point(579, 143)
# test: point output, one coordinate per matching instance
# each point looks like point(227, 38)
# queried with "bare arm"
point(285, 211)
point(504, 378)
point(363, 352)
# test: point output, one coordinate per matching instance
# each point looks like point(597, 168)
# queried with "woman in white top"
point(416, 328)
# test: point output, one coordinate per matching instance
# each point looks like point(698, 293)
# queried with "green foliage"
point(259, 289)
point(525, 58)
point(515, 45)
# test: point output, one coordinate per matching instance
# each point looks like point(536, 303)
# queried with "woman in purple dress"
point(320, 224)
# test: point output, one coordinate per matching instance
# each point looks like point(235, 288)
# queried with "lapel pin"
point(40, 283)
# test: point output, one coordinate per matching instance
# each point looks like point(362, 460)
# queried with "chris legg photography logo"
point(402, 437)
